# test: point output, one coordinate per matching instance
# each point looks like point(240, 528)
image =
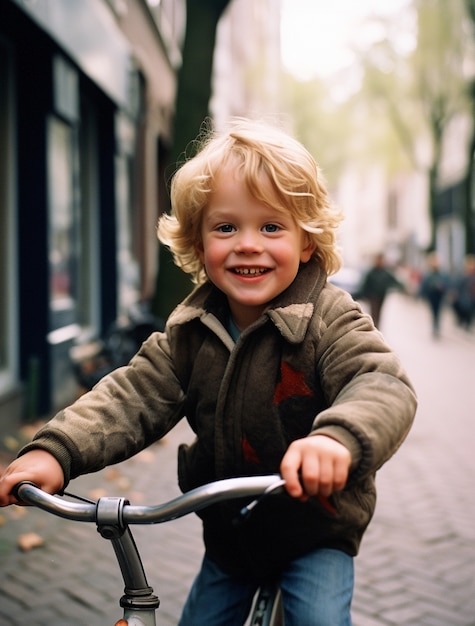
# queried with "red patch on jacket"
point(292, 383)
point(327, 504)
point(250, 454)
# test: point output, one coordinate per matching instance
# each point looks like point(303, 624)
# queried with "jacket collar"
point(293, 309)
point(290, 312)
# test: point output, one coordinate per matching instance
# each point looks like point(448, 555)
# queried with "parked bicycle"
point(114, 515)
point(92, 357)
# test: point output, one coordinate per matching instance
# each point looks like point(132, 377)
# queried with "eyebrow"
point(219, 213)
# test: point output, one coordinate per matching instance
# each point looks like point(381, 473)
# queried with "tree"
point(191, 111)
point(422, 91)
point(469, 183)
point(321, 124)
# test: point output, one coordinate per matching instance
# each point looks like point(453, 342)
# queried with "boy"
point(275, 370)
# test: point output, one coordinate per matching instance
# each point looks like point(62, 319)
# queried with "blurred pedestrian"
point(435, 285)
point(375, 286)
point(464, 294)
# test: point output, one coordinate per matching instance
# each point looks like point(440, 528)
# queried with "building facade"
point(247, 73)
point(86, 102)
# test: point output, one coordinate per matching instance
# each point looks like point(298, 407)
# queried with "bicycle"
point(114, 515)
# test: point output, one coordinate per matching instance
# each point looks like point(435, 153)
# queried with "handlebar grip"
point(16, 489)
point(84, 511)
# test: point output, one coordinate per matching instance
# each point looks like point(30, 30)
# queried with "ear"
point(308, 248)
point(200, 251)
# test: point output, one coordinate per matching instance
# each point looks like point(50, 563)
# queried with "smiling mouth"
point(250, 271)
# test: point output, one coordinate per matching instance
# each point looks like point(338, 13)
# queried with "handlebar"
point(113, 515)
point(190, 502)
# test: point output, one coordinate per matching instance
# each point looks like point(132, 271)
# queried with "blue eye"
point(226, 228)
point(271, 228)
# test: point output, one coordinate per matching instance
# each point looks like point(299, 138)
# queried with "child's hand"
point(37, 466)
point(315, 465)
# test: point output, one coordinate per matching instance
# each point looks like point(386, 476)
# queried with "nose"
point(248, 241)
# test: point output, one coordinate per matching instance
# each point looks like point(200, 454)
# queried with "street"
point(417, 562)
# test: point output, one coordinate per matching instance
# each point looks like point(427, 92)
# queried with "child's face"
point(251, 251)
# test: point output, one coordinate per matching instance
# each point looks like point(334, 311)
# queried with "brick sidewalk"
point(417, 562)
point(58, 583)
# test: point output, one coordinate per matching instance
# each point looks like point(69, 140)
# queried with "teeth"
point(250, 271)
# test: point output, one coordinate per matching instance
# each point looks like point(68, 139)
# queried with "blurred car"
point(349, 279)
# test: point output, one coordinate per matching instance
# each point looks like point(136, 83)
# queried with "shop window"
point(8, 239)
point(89, 277)
point(63, 256)
point(62, 243)
point(128, 268)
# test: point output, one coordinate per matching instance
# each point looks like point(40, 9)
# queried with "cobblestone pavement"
point(417, 562)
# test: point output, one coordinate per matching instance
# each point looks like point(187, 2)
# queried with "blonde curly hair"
point(261, 152)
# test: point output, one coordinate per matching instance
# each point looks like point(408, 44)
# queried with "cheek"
point(212, 255)
point(289, 255)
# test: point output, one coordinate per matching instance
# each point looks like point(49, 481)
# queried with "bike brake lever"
point(246, 511)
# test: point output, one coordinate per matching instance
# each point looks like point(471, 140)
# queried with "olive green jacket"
point(312, 363)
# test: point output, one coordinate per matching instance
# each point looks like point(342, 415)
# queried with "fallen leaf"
point(11, 443)
point(28, 541)
point(17, 512)
point(136, 497)
point(112, 474)
point(124, 483)
point(28, 431)
point(146, 456)
point(95, 494)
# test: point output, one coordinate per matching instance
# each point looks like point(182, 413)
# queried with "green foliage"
point(320, 125)
point(423, 90)
point(398, 98)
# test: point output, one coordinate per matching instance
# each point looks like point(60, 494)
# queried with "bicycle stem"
point(138, 595)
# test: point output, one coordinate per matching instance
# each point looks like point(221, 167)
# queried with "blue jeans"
point(317, 589)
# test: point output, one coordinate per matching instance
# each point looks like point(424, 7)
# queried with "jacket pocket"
point(195, 467)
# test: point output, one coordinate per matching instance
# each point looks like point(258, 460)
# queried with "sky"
point(316, 35)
